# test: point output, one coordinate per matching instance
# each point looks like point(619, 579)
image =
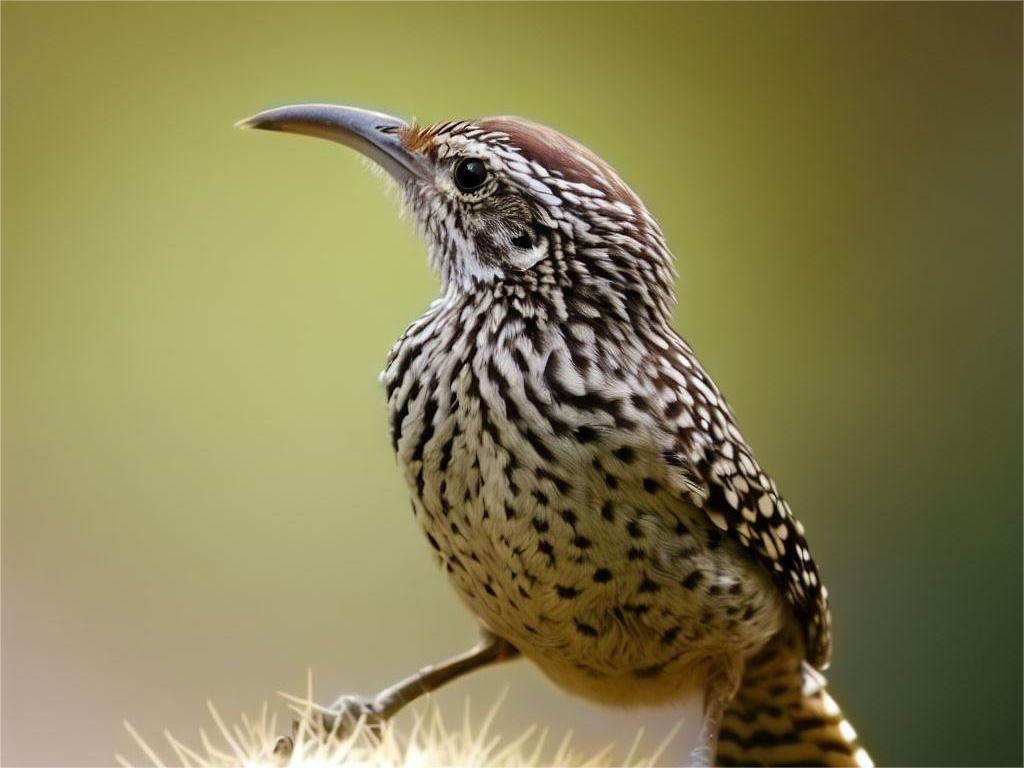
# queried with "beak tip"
point(248, 123)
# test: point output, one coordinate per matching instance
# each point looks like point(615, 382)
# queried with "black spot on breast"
point(533, 332)
point(446, 453)
point(651, 485)
point(648, 585)
point(634, 530)
point(569, 516)
point(624, 454)
point(511, 410)
point(566, 593)
point(584, 629)
point(693, 580)
point(602, 575)
point(545, 547)
point(429, 411)
point(561, 485)
point(538, 445)
point(608, 511)
point(540, 526)
point(669, 635)
point(582, 542)
point(585, 434)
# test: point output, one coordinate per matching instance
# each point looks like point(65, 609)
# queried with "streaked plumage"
point(579, 475)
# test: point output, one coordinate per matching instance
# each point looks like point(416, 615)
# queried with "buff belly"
point(617, 601)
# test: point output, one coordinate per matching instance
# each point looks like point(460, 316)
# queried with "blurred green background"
point(199, 497)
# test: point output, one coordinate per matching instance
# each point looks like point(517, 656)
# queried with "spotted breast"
point(546, 496)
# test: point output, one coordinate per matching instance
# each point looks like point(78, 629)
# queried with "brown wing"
point(711, 463)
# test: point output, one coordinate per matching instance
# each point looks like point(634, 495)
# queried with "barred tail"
point(782, 715)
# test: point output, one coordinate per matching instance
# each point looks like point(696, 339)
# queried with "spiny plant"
point(421, 738)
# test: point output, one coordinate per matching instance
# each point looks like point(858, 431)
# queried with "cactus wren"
point(576, 471)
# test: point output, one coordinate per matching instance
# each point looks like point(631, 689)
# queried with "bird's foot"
point(347, 716)
point(349, 713)
point(366, 715)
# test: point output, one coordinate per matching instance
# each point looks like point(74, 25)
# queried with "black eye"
point(470, 174)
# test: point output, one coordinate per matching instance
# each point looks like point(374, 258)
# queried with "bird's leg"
point(703, 754)
point(347, 711)
point(389, 702)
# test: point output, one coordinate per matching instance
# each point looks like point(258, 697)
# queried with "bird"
point(579, 476)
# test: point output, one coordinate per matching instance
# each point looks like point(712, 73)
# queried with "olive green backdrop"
point(199, 498)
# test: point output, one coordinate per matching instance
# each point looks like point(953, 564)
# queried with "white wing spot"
point(829, 704)
point(847, 731)
point(863, 759)
point(718, 519)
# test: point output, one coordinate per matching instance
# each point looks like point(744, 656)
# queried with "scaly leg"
point(703, 754)
point(347, 710)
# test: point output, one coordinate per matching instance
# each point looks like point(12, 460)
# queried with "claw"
point(283, 748)
point(344, 716)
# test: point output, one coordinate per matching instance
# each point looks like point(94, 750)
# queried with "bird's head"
point(511, 206)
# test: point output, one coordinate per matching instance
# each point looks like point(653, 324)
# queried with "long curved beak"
point(376, 135)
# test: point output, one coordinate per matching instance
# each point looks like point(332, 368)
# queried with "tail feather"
point(782, 715)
